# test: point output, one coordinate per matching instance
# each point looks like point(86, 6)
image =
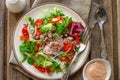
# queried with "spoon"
point(101, 17)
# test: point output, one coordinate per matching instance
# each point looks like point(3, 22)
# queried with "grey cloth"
point(82, 7)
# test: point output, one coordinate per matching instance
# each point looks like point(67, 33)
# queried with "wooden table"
point(112, 39)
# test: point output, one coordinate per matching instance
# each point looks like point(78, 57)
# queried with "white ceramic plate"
point(37, 13)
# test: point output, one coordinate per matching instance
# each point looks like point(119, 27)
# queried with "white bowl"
point(105, 62)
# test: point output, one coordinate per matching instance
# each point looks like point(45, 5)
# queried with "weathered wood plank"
point(12, 18)
point(1, 4)
point(118, 30)
point(115, 39)
point(1, 39)
point(109, 34)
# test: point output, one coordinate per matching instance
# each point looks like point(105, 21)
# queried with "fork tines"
point(86, 34)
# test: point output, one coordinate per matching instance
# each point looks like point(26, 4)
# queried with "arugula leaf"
point(60, 28)
point(67, 21)
point(30, 60)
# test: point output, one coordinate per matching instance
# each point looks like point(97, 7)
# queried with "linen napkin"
point(82, 7)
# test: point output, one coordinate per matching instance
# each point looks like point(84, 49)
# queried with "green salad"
point(49, 43)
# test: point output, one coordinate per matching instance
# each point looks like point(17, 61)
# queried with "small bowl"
point(105, 62)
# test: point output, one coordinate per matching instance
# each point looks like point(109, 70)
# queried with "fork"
point(86, 34)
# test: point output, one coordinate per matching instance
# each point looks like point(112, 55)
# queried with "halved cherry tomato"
point(47, 69)
point(68, 47)
point(37, 47)
point(77, 38)
point(56, 19)
point(23, 37)
point(25, 30)
point(41, 69)
point(38, 23)
point(37, 34)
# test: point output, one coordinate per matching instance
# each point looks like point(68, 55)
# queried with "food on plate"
point(44, 38)
point(96, 71)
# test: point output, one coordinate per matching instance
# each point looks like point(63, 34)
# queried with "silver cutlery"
point(101, 18)
point(86, 34)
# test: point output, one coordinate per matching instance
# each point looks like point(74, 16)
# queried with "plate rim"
point(14, 52)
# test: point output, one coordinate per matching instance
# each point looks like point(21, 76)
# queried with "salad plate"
point(45, 41)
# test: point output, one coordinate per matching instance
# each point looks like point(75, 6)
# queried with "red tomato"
point(37, 47)
point(77, 38)
point(38, 23)
point(41, 69)
point(68, 47)
point(25, 30)
point(47, 69)
point(37, 34)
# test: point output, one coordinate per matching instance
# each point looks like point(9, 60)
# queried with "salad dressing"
point(96, 71)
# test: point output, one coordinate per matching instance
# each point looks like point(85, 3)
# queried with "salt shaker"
point(15, 6)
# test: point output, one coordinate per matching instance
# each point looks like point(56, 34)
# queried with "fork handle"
point(103, 46)
point(68, 71)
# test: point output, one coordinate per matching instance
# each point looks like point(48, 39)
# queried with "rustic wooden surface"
point(1, 38)
point(118, 32)
point(111, 38)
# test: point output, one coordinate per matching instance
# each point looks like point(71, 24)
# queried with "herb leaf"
point(27, 46)
point(30, 61)
point(23, 58)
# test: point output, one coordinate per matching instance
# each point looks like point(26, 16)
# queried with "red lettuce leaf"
point(75, 27)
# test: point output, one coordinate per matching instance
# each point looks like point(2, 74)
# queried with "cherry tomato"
point(47, 69)
point(37, 47)
point(68, 47)
point(77, 38)
point(25, 30)
point(37, 34)
point(38, 23)
point(41, 69)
